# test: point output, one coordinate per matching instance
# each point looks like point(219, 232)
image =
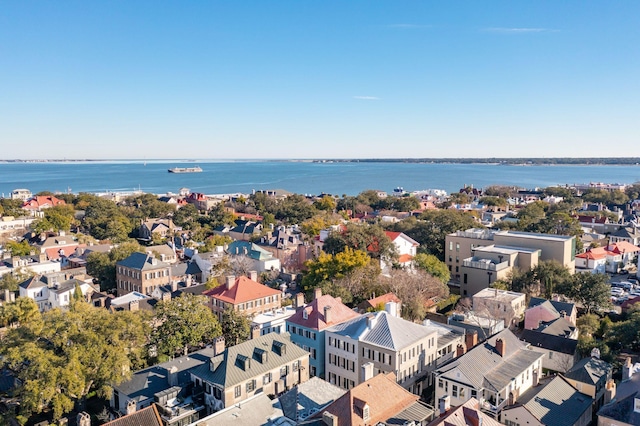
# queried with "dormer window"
point(305, 314)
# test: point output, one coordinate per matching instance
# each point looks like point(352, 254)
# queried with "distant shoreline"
point(624, 161)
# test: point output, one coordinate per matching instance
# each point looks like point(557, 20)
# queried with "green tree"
point(11, 281)
point(370, 238)
point(328, 267)
point(61, 356)
point(56, 218)
point(186, 217)
point(21, 248)
point(592, 291)
point(327, 203)
point(102, 266)
point(405, 204)
point(236, 327)
point(434, 266)
point(184, 322)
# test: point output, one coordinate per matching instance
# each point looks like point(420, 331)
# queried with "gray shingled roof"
point(557, 305)
point(589, 370)
point(553, 343)
point(142, 262)
point(387, 331)
point(228, 369)
point(556, 404)
point(622, 410)
point(485, 368)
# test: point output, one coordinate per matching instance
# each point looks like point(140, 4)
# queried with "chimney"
point(253, 275)
point(627, 369)
point(609, 391)
point(317, 293)
point(131, 407)
point(367, 371)
point(42, 257)
point(83, 419)
point(563, 314)
point(134, 305)
point(444, 404)
point(255, 331)
point(371, 320)
point(172, 376)
point(231, 280)
point(166, 296)
point(174, 285)
point(327, 314)
point(391, 308)
point(218, 345)
point(471, 339)
point(329, 419)
point(299, 300)
point(459, 351)
point(501, 347)
point(535, 378)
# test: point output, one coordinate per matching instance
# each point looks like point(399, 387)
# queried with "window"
point(266, 379)
point(237, 391)
point(462, 392)
point(465, 278)
point(284, 371)
point(251, 386)
point(454, 391)
point(440, 383)
point(457, 246)
point(296, 364)
point(474, 393)
point(450, 245)
point(313, 353)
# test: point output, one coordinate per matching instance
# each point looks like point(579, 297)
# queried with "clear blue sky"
point(319, 79)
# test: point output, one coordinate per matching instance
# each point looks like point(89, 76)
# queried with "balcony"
point(492, 409)
point(484, 264)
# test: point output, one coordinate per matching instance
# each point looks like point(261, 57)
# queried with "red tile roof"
point(594, 254)
point(244, 289)
point(392, 235)
point(623, 247)
point(389, 297)
point(40, 201)
point(144, 417)
point(404, 258)
point(315, 313)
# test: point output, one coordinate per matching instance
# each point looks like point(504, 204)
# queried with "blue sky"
point(319, 79)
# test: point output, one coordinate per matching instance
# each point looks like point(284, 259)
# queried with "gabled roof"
point(467, 414)
point(316, 320)
point(556, 404)
point(596, 253)
point(146, 416)
point(383, 329)
point(559, 306)
point(243, 290)
point(228, 369)
point(589, 370)
point(622, 410)
point(626, 232)
point(623, 247)
point(484, 367)
point(40, 201)
point(142, 262)
point(385, 298)
point(384, 397)
point(252, 250)
point(37, 281)
point(395, 235)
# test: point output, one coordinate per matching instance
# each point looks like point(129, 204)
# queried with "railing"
point(494, 409)
point(486, 265)
point(445, 358)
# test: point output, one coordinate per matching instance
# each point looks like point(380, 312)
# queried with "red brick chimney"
point(471, 339)
point(501, 347)
point(459, 351)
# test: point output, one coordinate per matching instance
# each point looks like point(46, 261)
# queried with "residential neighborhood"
point(284, 309)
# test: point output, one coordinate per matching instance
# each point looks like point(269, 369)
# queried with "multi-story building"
point(503, 304)
point(510, 249)
point(307, 326)
point(389, 343)
point(494, 372)
point(590, 376)
point(142, 273)
point(269, 364)
point(245, 295)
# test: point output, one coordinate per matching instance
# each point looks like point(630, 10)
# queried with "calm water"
point(298, 177)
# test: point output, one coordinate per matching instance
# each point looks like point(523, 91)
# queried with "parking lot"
point(624, 287)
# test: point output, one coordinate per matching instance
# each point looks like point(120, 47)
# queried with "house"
point(286, 244)
point(258, 410)
point(258, 258)
point(132, 301)
point(378, 400)
point(272, 321)
point(58, 247)
point(378, 303)
point(500, 369)
point(307, 326)
point(148, 416)
point(306, 399)
point(21, 194)
point(36, 264)
point(245, 230)
point(468, 414)
point(16, 226)
point(164, 252)
point(590, 376)
point(483, 327)
point(167, 386)
point(269, 364)
point(626, 250)
point(452, 341)
point(78, 259)
point(557, 403)
point(202, 202)
point(141, 272)
point(596, 259)
point(558, 341)
point(161, 228)
point(622, 404)
point(41, 202)
point(386, 344)
point(630, 234)
point(406, 247)
point(244, 295)
point(460, 245)
point(500, 304)
point(48, 293)
point(543, 310)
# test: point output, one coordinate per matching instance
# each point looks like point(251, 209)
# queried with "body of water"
point(298, 177)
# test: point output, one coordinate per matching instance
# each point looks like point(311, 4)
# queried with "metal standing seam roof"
point(484, 367)
point(228, 371)
point(556, 404)
point(387, 331)
point(589, 370)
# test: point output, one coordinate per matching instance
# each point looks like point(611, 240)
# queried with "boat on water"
point(196, 169)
